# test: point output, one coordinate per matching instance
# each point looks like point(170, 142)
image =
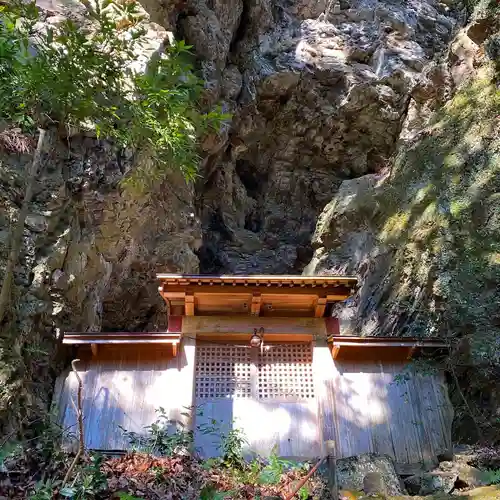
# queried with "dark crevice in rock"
point(241, 31)
point(210, 263)
point(250, 178)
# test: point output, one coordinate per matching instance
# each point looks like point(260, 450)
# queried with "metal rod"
point(305, 478)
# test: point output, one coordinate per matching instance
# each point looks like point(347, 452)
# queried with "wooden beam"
point(256, 304)
point(411, 352)
point(244, 338)
point(94, 338)
point(175, 291)
point(332, 326)
point(385, 344)
point(189, 304)
point(418, 341)
point(245, 324)
point(123, 341)
point(319, 308)
point(335, 351)
point(174, 324)
point(176, 307)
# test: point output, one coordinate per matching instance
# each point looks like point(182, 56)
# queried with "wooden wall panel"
point(121, 389)
point(358, 405)
point(290, 428)
point(409, 420)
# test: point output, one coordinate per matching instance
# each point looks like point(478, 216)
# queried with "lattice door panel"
point(285, 372)
point(223, 371)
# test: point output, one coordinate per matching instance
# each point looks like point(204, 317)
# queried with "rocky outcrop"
point(423, 236)
point(319, 92)
point(444, 479)
point(89, 257)
point(369, 472)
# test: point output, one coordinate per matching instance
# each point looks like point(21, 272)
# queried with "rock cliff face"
point(323, 96)
point(319, 93)
point(425, 237)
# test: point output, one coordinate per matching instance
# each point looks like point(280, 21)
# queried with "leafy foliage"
point(275, 468)
point(161, 438)
point(82, 74)
point(231, 448)
point(491, 476)
point(44, 490)
point(90, 482)
point(417, 366)
point(125, 496)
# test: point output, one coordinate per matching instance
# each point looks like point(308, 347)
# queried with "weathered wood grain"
point(200, 325)
point(120, 391)
point(410, 420)
point(357, 405)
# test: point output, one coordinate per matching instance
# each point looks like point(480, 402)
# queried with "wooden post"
point(319, 308)
point(324, 373)
point(189, 304)
point(186, 382)
point(256, 304)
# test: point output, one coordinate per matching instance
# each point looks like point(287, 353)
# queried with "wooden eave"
point(409, 345)
point(116, 338)
point(301, 296)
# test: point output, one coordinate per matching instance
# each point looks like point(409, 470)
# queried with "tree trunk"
point(17, 234)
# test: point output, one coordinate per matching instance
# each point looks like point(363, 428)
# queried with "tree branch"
point(17, 235)
point(79, 414)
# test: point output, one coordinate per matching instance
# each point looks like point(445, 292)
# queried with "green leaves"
point(126, 496)
point(159, 438)
point(67, 492)
point(232, 448)
point(68, 75)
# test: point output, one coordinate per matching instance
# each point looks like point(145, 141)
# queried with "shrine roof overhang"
point(258, 295)
point(353, 347)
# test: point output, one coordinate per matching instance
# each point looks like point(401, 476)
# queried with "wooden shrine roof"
point(258, 295)
point(257, 280)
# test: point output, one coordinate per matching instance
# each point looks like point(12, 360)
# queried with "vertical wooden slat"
point(324, 372)
point(380, 411)
point(446, 409)
point(420, 400)
point(94, 400)
point(186, 379)
point(145, 412)
point(360, 385)
point(400, 421)
point(343, 411)
point(416, 450)
point(432, 414)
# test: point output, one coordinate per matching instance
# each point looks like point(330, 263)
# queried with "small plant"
point(44, 490)
point(158, 438)
point(210, 493)
point(275, 468)
point(126, 496)
point(231, 448)
point(89, 483)
point(9, 450)
point(491, 476)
